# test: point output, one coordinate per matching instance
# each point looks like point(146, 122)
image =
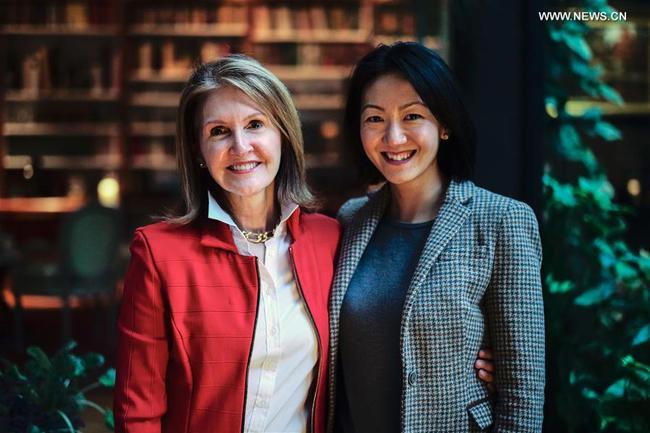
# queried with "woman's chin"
point(248, 192)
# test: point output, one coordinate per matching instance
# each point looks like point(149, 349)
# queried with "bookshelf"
point(90, 89)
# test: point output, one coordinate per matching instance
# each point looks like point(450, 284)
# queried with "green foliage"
point(597, 290)
point(46, 395)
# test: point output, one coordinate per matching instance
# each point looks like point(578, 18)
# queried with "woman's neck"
point(418, 200)
point(254, 213)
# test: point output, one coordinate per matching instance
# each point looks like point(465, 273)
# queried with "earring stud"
point(201, 164)
point(444, 135)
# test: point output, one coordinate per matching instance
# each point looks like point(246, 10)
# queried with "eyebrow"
point(213, 121)
point(408, 104)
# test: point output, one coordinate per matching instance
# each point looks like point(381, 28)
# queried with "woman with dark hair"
point(431, 267)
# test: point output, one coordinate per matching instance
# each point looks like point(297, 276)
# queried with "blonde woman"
point(223, 325)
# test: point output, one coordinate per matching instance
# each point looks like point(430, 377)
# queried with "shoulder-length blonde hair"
point(273, 99)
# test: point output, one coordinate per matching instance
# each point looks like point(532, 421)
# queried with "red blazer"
point(187, 318)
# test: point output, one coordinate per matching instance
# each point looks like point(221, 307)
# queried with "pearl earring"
point(444, 135)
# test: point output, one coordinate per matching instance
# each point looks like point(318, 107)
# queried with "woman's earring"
point(444, 135)
point(201, 164)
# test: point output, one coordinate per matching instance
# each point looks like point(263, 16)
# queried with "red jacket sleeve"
point(140, 395)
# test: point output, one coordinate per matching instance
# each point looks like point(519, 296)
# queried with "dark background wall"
point(496, 53)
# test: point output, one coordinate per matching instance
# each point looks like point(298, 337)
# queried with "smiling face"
point(240, 145)
point(399, 133)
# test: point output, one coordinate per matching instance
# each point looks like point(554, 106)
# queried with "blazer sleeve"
point(515, 312)
point(140, 397)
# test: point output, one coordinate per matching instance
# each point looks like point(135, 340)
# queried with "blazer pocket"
point(471, 253)
point(481, 412)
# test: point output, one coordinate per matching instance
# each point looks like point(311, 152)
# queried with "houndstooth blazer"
point(477, 284)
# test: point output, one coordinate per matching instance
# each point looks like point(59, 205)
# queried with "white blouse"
point(285, 346)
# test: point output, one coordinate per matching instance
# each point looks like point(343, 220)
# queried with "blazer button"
point(412, 378)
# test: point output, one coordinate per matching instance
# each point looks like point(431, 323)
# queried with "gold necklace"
point(258, 237)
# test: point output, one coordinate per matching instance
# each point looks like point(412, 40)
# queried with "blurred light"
point(76, 187)
point(634, 187)
point(28, 171)
point(329, 129)
point(551, 110)
point(108, 191)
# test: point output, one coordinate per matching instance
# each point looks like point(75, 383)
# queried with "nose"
point(240, 144)
point(394, 134)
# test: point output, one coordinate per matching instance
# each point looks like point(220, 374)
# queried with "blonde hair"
point(272, 97)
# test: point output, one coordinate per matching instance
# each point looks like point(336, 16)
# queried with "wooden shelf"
point(59, 162)
point(153, 129)
point(283, 72)
point(155, 99)
point(324, 160)
point(310, 73)
point(16, 162)
point(59, 30)
point(156, 77)
point(96, 162)
point(222, 30)
point(154, 163)
point(313, 37)
point(171, 99)
point(319, 102)
point(40, 204)
point(62, 95)
point(60, 129)
point(144, 52)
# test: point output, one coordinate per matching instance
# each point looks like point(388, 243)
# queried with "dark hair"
point(433, 81)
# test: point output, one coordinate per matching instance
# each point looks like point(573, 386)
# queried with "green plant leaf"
point(108, 378)
point(68, 365)
point(563, 194)
point(583, 69)
point(569, 140)
point(578, 45)
point(67, 421)
point(642, 336)
point(40, 358)
point(592, 113)
point(601, 190)
point(556, 33)
point(13, 372)
point(624, 271)
point(590, 394)
point(93, 360)
point(67, 347)
point(610, 94)
point(607, 131)
point(596, 295)
point(558, 287)
point(109, 420)
point(616, 389)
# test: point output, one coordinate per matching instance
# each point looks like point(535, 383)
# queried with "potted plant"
point(48, 394)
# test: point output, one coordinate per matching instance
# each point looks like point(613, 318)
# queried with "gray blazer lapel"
point(356, 237)
point(355, 240)
point(450, 219)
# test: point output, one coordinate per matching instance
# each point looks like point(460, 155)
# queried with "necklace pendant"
point(258, 237)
